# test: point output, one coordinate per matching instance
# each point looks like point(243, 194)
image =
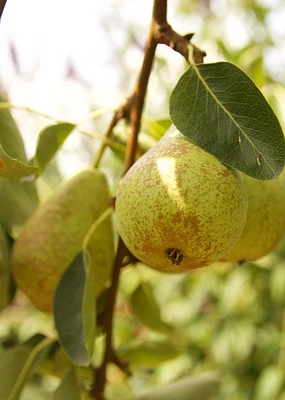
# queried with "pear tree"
point(204, 190)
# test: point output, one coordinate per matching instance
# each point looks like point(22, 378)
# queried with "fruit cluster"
point(179, 208)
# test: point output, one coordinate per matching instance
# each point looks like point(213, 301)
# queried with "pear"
point(265, 225)
point(179, 208)
point(54, 234)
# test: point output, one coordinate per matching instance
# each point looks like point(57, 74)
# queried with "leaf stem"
point(103, 139)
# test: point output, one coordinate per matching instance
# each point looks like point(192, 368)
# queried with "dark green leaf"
point(18, 200)
point(68, 311)
point(202, 387)
point(146, 309)
point(89, 308)
point(68, 389)
point(220, 109)
point(10, 137)
point(13, 168)
point(50, 140)
point(148, 353)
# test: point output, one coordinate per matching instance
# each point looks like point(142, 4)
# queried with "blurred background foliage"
point(226, 317)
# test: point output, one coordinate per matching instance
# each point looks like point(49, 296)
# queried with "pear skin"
point(179, 208)
point(265, 225)
point(53, 235)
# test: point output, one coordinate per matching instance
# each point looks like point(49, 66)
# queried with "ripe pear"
point(178, 207)
point(54, 234)
point(265, 225)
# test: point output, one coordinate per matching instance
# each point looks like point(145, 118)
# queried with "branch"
point(107, 320)
point(138, 97)
point(166, 35)
point(160, 32)
point(2, 6)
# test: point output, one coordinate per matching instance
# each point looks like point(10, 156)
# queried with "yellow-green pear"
point(54, 234)
point(179, 208)
point(265, 225)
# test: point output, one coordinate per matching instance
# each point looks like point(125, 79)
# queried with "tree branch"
point(2, 6)
point(138, 98)
point(107, 320)
point(160, 32)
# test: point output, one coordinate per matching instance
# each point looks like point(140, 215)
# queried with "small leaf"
point(68, 311)
point(156, 128)
point(33, 359)
point(146, 309)
point(220, 109)
point(148, 353)
point(68, 389)
point(12, 168)
point(202, 387)
point(10, 137)
point(50, 140)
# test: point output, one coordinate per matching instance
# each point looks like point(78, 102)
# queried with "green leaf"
point(50, 140)
point(13, 168)
point(5, 296)
point(148, 353)
point(156, 128)
point(100, 250)
point(68, 389)
point(202, 387)
point(220, 109)
point(33, 359)
point(146, 309)
point(89, 308)
point(10, 137)
point(70, 300)
point(18, 200)
point(11, 363)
